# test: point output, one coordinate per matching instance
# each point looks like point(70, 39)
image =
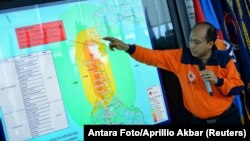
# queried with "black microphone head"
point(201, 66)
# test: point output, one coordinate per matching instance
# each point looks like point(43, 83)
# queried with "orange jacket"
point(184, 65)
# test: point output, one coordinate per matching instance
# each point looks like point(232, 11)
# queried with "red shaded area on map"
point(40, 34)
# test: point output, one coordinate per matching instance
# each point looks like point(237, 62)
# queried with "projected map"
point(58, 74)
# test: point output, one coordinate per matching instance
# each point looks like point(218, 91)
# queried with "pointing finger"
point(111, 39)
point(111, 46)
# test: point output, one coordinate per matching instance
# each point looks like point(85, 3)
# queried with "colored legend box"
point(157, 103)
point(40, 34)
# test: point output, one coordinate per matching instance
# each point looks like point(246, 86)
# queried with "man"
point(202, 62)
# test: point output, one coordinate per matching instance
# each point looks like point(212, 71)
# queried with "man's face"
point(198, 44)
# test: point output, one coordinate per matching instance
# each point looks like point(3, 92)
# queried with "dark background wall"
point(4, 4)
point(2, 138)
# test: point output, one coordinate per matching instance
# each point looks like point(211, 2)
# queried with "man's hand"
point(116, 43)
point(210, 76)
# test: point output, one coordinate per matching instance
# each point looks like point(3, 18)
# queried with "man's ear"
point(211, 44)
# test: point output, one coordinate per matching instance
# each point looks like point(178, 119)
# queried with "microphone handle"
point(208, 87)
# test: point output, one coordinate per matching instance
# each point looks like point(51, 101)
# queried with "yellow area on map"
point(94, 67)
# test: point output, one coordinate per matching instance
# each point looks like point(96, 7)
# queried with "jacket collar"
point(187, 57)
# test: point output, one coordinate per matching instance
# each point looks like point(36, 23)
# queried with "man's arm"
point(165, 59)
point(231, 84)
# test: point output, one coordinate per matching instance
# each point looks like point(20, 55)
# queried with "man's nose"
point(192, 46)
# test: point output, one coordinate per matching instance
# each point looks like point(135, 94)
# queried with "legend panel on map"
point(157, 103)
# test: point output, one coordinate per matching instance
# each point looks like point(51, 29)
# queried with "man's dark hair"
point(211, 31)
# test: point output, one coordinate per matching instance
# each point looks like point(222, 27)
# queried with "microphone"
point(206, 82)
